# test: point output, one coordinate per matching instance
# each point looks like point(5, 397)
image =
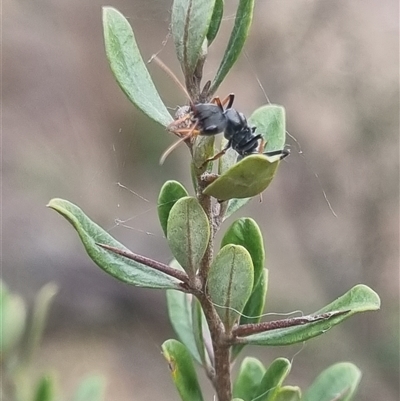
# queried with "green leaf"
point(230, 282)
point(273, 379)
point(202, 150)
point(128, 67)
point(198, 320)
point(248, 178)
point(45, 390)
point(216, 19)
point(249, 377)
point(180, 316)
point(240, 31)
point(188, 233)
point(121, 268)
point(13, 320)
point(337, 383)
point(234, 205)
point(288, 393)
point(170, 192)
point(254, 307)
point(228, 159)
point(90, 389)
point(245, 232)
point(41, 309)
point(359, 299)
point(270, 123)
point(182, 370)
point(190, 21)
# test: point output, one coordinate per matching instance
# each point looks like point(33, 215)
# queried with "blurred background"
point(69, 132)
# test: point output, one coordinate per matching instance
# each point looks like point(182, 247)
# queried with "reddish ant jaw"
point(185, 134)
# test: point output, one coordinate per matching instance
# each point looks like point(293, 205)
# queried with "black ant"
point(212, 119)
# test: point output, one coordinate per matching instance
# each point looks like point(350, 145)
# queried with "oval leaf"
point(359, 299)
point(128, 67)
point(273, 379)
point(202, 150)
point(188, 233)
point(288, 393)
point(248, 178)
point(249, 377)
point(198, 321)
point(240, 31)
point(245, 232)
point(234, 205)
point(255, 305)
point(182, 370)
point(180, 316)
point(270, 122)
point(228, 159)
point(254, 308)
point(337, 383)
point(230, 282)
point(216, 19)
point(121, 268)
point(170, 192)
point(190, 21)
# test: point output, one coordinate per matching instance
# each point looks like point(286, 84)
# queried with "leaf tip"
point(370, 295)
point(53, 203)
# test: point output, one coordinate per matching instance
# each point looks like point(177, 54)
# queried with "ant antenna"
point(168, 71)
point(173, 146)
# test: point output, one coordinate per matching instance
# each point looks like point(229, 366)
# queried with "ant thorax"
point(236, 123)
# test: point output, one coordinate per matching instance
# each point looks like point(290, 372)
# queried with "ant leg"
point(217, 101)
point(219, 154)
point(282, 153)
point(229, 99)
point(263, 143)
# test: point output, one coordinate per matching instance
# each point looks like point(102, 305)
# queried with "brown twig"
point(179, 275)
point(255, 328)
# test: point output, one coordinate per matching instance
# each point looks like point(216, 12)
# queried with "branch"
point(248, 329)
point(181, 276)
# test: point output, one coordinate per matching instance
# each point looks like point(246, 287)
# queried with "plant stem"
point(254, 328)
point(222, 378)
point(181, 276)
